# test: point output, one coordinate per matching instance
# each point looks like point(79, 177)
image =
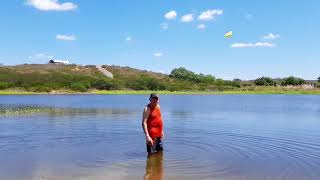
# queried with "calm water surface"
point(206, 137)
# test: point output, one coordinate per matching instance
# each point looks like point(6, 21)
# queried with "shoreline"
point(134, 92)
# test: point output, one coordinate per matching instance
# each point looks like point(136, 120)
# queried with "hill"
point(77, 78)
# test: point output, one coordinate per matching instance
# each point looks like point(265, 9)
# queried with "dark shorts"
point(156, 147)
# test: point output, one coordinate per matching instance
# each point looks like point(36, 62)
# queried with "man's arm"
point(146, 113)
point(162, 133)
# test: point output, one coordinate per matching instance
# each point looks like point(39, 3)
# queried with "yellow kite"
point(228, 34)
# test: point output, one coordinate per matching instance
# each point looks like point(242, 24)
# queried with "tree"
point(319, 79)
point(264, 81)
point(237, 80)
point(292, 81)
point(184, 74)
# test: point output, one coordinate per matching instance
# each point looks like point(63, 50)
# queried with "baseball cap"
point(154, 95)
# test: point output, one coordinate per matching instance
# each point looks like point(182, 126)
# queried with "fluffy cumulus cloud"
point(66, 37)
point(52, 5)
point(271, 36)
point(251, 45)
point(187, 18)
point(201, 26)
point(170, 15)
point(210, 14)
point(158, 54)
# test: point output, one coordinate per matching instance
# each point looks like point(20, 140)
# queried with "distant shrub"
point(237, 80)
point(4, 85)
point(246, 84)
point(155, 85)
point(78, 86)
point(145, 82)
point(42, 89)
point(292, 81)
point(103, 84)
point(265, 81)
point(90, 66)
point(219, 82)
point(232, 83)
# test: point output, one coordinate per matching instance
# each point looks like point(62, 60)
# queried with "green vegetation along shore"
point(75, 79)
point(135, 92)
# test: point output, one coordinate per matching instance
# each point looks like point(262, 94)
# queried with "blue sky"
point(275, 38)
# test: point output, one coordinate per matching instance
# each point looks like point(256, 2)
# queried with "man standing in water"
point(152, 125)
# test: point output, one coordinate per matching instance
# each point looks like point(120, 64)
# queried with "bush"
point(90, 66)
point(219, 82)
point(4, 85)
point(42, 89)
point(145, 82)
point(246, 84)
point(292, 81)
point(155, 85)
point(78, 86)
point(264, 81)
point(232, 83)
point(104, 84)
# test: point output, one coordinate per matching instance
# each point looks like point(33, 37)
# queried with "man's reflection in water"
point(154, 166)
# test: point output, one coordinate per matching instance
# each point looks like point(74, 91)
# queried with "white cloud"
point(251, 45)
point(128, 38)
point(201, 26)
point(51, 5)
point(170, 15)
point(66, 37)
point(157, 54)
point(164, 26)
point(187, 18)
point(271, 36)
point(210, 14)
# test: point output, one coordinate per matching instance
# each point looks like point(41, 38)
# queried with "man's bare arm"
point(146, 113)
point(162, 133)
point(145, 116)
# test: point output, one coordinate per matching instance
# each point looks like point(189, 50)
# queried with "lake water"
point(206, 137)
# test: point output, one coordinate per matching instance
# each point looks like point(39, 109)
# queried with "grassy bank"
point(119, 92)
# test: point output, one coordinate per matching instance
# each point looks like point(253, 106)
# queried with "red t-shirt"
point(154, 122)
